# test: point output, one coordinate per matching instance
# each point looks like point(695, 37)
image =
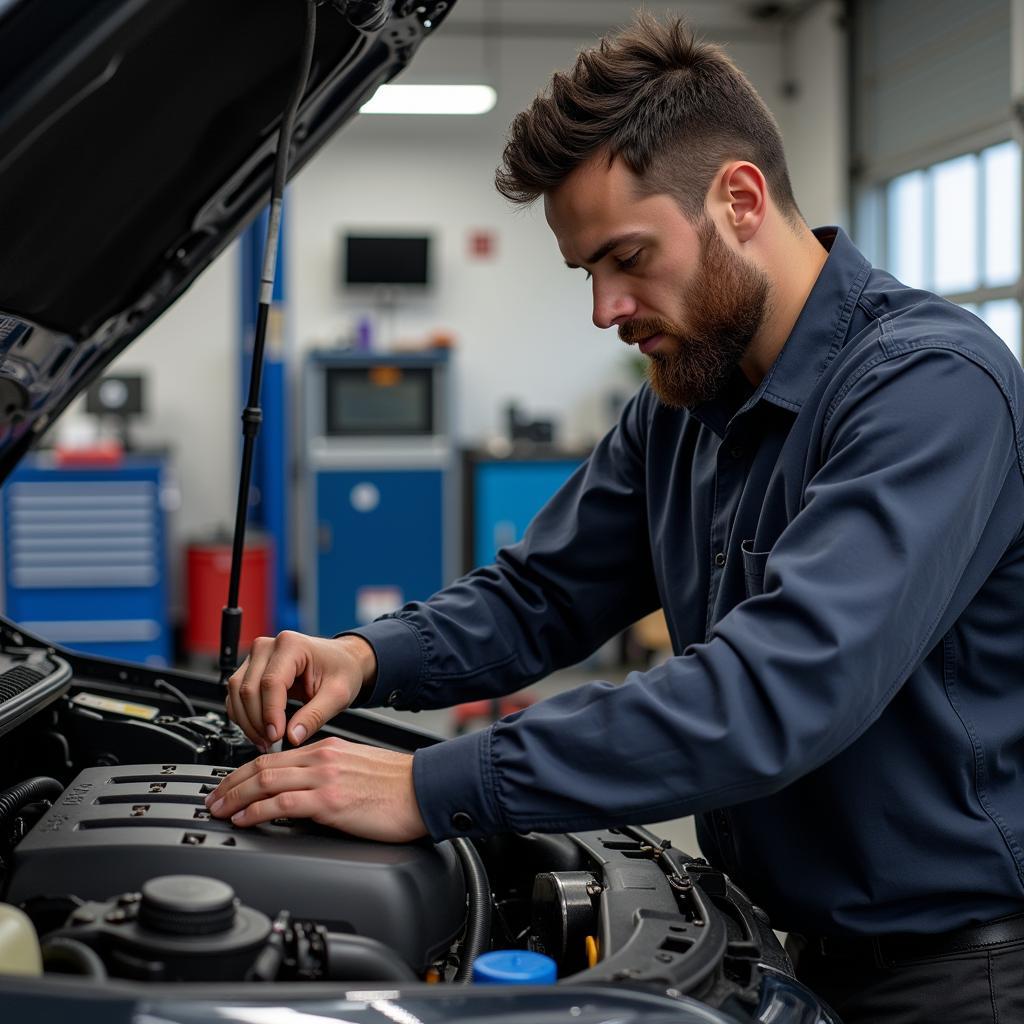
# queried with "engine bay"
point(113, 830)
point(107, 847)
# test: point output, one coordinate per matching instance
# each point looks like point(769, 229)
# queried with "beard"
point(725, 305)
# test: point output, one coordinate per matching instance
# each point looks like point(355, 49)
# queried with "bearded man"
point(822, 486)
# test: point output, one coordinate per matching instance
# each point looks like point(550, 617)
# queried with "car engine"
point(107, 847)
point(113, 830)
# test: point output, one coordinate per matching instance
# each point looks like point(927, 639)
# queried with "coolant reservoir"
point(19, 944)
point(514, 967)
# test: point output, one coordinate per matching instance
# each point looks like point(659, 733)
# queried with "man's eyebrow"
point(600, 254)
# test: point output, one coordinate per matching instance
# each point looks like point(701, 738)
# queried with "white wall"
point(813, 120)
point(190, 361)
point(522, 320)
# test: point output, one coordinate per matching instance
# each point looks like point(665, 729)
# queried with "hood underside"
point(137, 139)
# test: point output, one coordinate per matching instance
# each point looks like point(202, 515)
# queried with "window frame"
point(869, 179)
point(872, 219)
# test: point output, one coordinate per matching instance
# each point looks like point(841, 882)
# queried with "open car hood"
point(137, 139)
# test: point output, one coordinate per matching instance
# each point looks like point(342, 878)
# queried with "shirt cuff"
point(399, 656)
point(454, 788)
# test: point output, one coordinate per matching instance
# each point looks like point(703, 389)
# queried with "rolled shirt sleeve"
point(918, 449)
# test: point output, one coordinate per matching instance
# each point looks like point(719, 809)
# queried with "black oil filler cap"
point(187, 905)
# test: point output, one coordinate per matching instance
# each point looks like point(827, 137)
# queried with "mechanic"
point(821, 483)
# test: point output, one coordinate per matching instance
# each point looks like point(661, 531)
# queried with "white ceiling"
point(578, 18)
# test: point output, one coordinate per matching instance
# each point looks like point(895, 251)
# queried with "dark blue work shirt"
point(839, 555)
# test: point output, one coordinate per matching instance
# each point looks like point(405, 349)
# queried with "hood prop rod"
point(252, 414)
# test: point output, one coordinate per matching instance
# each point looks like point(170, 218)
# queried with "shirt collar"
point(817, 335)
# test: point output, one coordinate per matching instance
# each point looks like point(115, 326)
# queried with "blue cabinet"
point(85, 561)
point(379, 542)
point(380, 485)
point(504, 494)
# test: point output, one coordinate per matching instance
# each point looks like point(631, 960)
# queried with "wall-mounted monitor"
point(386, 260)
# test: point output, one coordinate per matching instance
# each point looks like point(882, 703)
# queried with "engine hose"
point(478, 919)
point(359, 958)
point(14, 799)
point(69, 956)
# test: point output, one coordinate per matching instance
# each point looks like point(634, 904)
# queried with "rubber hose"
point(70, 953)
point(360, 958)
point(14, 799)
point(478, 922)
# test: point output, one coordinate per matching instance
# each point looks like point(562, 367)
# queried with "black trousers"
point(985, 986)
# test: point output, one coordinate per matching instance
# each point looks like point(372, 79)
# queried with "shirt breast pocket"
point(753, 568)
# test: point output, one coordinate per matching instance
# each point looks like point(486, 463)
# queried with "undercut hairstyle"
point(673, 107)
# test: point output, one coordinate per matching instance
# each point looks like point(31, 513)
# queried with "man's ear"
point(741, 193)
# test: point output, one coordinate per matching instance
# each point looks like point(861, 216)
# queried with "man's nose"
point(612, 306)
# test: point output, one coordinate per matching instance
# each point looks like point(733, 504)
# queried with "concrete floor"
point(680, 831)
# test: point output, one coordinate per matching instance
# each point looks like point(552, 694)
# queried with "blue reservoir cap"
point(514, 967)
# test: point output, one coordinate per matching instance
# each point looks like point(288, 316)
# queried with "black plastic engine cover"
point(114, 828)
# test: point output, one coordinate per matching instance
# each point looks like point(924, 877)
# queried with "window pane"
point(1003, 316)
point(868, 206)
point(955, 221)
point(1002, 213)
point(906, 229)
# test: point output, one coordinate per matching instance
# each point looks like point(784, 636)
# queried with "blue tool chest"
point(85, 559)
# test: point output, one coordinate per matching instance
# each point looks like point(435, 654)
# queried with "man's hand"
point(326, 675)
point(362, 790)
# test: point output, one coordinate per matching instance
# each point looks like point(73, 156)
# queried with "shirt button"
point(736, 451)
point(461, 821)
point(393, 697)
point(720, 559)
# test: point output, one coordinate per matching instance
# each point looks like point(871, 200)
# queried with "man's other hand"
point(362, 790)
point(326, 675)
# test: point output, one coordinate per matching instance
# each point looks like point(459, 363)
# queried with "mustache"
point(633, 331)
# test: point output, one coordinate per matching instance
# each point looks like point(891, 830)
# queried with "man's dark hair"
point(673, 107)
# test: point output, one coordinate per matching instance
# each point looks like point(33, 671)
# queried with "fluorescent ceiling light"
point(431, 99)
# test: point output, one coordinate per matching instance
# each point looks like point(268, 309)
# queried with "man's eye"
point(630, 261)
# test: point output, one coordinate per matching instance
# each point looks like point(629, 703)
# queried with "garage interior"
point(432, 373)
